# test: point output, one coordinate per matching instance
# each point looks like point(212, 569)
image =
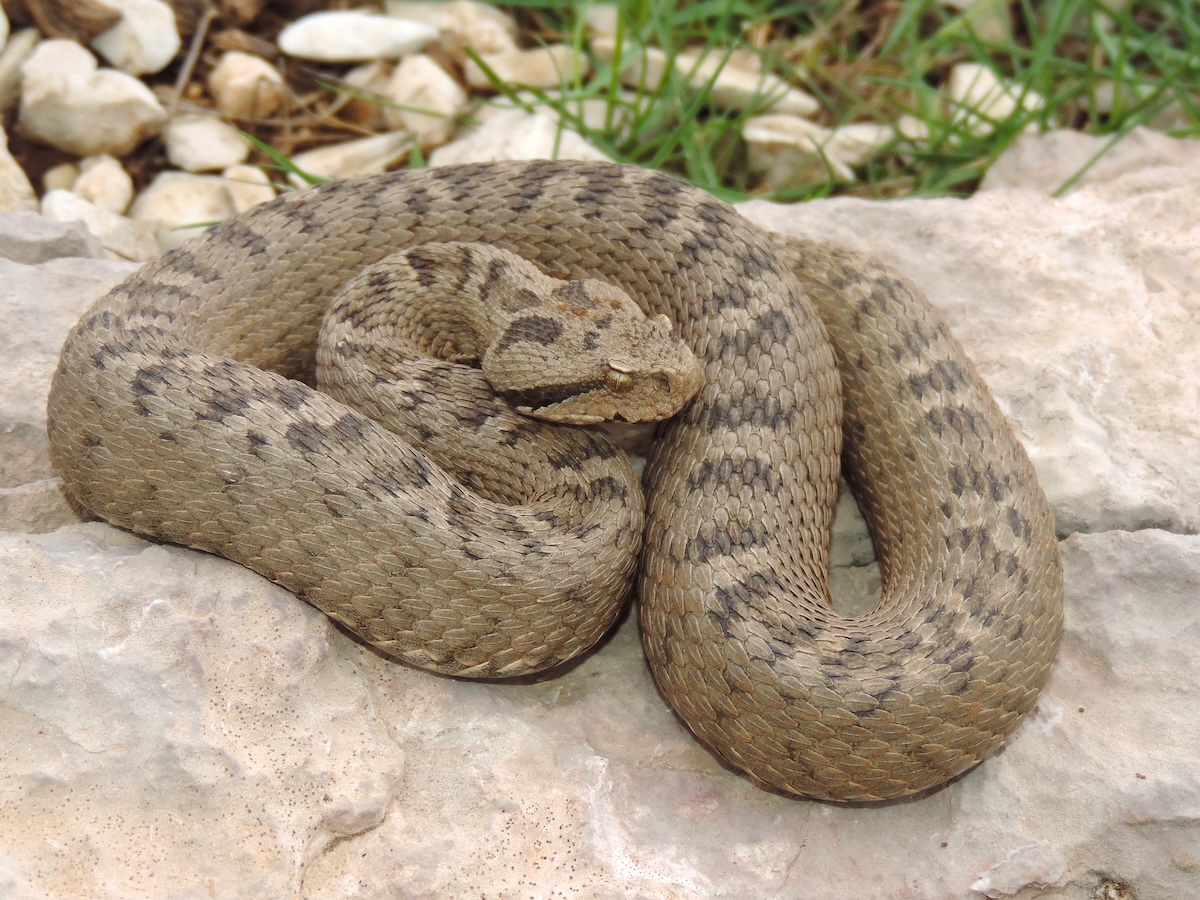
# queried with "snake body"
point(180, 410)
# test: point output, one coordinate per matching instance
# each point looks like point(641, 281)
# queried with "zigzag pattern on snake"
point(179, 410)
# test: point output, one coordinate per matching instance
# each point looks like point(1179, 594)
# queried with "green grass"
point(876, 62)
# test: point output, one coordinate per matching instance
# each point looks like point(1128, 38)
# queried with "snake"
point(185, 407)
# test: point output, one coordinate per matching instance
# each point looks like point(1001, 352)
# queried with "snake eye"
point(618, 382)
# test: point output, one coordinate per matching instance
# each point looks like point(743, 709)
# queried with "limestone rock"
point(365, 87)
point(104, 182)
point(41, 296)
point(61, 177)
point(28, 238)
point(462, 23)
point(245, 86)
point(792, 150)
point(365, 156)
point(979, 98)
point(1045, 162)
point(68, 103)
point(16, 193)
point(12, 57)
point(203, 144)
point(427, 100)
point(542, 67)
point(126, 239)
point(734, 82)
point(248, 186)
point(351, 36)
point(157, 697)
point(515, 134)
point(179, 205)
point(144, 41)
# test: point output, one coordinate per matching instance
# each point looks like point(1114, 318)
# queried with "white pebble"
point(516, 134)
point(365, 156)
point(68, 103)
point(462, 23)
point(16, 193)
point(103, 182)
point(129, 240)
point(427, 100)
point(349, 36)
point(204, 144)
point(60, 178)
point(244, 86)
point(542, 67)
point(979, 98)
point(178, 205)
point(144, 41)
point(248, 186)
point(12, 57)
point(368, 79)
point(736, 83)
point(785, 150)
point(602, 19)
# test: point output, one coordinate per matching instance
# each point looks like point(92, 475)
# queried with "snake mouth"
point(548, 395)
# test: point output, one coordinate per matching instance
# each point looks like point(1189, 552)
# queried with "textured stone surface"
point(68, 103)
point(172, 725)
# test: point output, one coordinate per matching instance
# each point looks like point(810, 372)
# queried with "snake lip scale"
point(182, 409)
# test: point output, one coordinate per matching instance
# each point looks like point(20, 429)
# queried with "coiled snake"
point(178, 411)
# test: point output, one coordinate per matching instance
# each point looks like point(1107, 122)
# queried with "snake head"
point(592, 356)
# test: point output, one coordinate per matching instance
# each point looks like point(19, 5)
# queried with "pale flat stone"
point(364, 87)
point(68, 103)
point(16, 193)
point(735, 82)
point(160, 697)
point(198, 143)
point(979, 98)
point(12, 57)
point(792, 150)
point(365, 156)
point(144, 41)
point(41, 296)
point(515, 134)
point(350, 36)
point(542, 67)
point(30, 238)
point(427, 100)
point(244, 86)
point(159, 706)
point(462, 23)
point(1045, 162)
point(248, 186)
point(103, 181)
point(60, 178)
point(611, 114)
point(601, 19)
point(123, 237)
point(180, 205)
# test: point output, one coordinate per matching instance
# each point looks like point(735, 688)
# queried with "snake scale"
point(181, 408)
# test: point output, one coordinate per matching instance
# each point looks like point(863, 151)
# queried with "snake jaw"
point(567, 419)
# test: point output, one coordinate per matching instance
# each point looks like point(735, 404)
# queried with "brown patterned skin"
point(165, 419)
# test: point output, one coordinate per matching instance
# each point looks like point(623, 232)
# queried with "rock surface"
point(68, 103)
point(351, 36)
point(173, 725)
